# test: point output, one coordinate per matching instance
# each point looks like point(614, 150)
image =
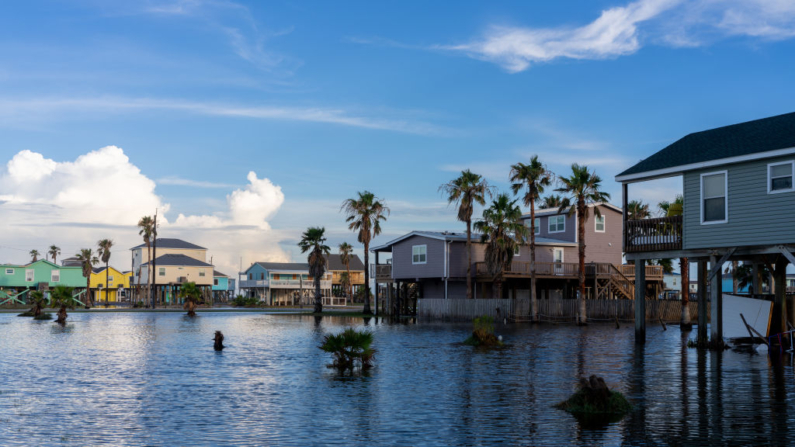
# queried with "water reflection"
point(154, 379)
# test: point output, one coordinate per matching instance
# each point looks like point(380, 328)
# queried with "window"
point(419, 254)
point(276, 277)
point(779, 177)
point(250, 276)
point(557, 224)
point(215, 281)
point(600, 224)
point(262, 276)
point(110, 280)
point(517, 250)
point(55, 276)
point(9, 271)
point(537, 229)
point(714, 200)
point(201, 272)
point(162, 271)
point(29, 275)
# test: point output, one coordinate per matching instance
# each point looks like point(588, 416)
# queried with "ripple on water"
point(154, 379)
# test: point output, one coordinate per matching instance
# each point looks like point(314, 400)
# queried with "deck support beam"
point(716, 299)
point(702, 301)
point(640, 301)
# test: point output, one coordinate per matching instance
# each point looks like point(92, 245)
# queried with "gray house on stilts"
point(739, 205)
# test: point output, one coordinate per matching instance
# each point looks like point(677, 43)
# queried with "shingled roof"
point(178, 260)
point(748, 139)
point(163, 242)
point(335, 263)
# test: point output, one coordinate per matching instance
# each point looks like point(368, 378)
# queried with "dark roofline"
point(165, 242)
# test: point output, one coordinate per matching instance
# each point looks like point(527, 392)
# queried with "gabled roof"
point(335, 263)
point(172, 243)
point(178, 260)
point(282, 266)
point(550, 211)
point(459, 237)
point(217, 273)
point(763, 138)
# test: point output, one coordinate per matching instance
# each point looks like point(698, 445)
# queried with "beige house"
point(177, 262)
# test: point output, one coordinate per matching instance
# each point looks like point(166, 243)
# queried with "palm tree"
point(147, 228)
point(314, 241)
point(54, 252)
point(552, 201)
point(500, 228)
point(346, 250)
point(61, 296)
point(87, 261)
point(637, 210)
point(104, 253)
point(465, 191)
point(675, 209)
point(534, 177)
point(191, 293)
point(364, 214)
point(38, 301)
point(34, 255)
point(583, 188)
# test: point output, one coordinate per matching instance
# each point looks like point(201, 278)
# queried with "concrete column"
point(702, 300)
point(716, 301)
point(640, 301)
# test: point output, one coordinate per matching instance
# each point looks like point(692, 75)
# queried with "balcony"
point(381, 272)
point(297, 284)
point(648, 235)
point(569, 270)
point(253, 283)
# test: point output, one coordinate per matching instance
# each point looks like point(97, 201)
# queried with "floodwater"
point(154, 379)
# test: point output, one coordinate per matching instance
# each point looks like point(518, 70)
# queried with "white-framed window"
point(110, 280)
point(201, 272)
point(419, 254)
point(215, 281)
point(714, 198)
point(29, 275)
point(55, 276)
point(517, 250)
point(599, 223)
point(557, 255)
point(161, 271)
point(557, 224)
point(780, 177)
point(9, 271)
point(537, 228)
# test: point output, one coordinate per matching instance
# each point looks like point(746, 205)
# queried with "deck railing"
point(654, 271)
point(659, 234)
point(569, 269)
point(381, 272)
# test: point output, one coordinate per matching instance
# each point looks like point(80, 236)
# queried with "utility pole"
point(154, 262)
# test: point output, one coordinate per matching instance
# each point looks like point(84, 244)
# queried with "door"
point(557, 258)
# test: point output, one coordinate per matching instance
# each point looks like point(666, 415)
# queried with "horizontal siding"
point(606, 246)
point(755, 217)
point(402, 268)
point(568, 235)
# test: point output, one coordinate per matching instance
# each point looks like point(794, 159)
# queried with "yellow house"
point(117, 287)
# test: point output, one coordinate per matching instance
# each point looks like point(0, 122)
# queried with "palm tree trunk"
point(366, 309)
point(734, 278)
point(684, 267)
point(318, 300)
point(581, 250)
point(89, 301)
point(350, 282)
point(533, 302)
point(469, 259)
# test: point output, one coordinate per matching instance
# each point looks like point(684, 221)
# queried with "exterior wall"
point(755, 217)
point(402, 268)
point(607, 246)
point(140, 256)
point(173, 272)
point(116, 279)
point(458, 257)
point(569, 235)
point(42, 273)
point(223, 283)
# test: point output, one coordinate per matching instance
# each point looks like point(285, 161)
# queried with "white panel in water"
point(756, 312)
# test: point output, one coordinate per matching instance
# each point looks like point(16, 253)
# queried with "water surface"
point(154, 379)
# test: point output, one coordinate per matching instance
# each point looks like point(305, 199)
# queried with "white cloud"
point(623, 30)
point(101, 194)
point(613, 34)
point(16, 110)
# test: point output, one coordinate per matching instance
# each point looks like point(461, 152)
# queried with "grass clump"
point(351, 350)
point(594, 398)
point(483, 333)
point(241, 301)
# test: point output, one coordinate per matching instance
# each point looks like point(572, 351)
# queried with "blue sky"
point(324, 99)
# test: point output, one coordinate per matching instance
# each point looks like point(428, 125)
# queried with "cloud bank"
point(102, 194)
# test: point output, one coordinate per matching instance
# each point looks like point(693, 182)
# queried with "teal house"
point(40, 273)
point(223, 286)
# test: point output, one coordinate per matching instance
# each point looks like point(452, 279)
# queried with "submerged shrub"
point(483, 333)
point(242, 301)
point(351, 349)
point(594, 398)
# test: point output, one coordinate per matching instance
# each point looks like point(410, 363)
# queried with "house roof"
point(335, 263)
point(180, 260)
point(172, 243)
point(460, 237)
point(549, 211)
point(217, 273)
point(282, 266)
point(762, 138)
point(70, 262)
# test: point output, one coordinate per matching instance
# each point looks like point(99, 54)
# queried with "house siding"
point(402, 268)
point(604, 247)
point(569, 235)
point(755, 217)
